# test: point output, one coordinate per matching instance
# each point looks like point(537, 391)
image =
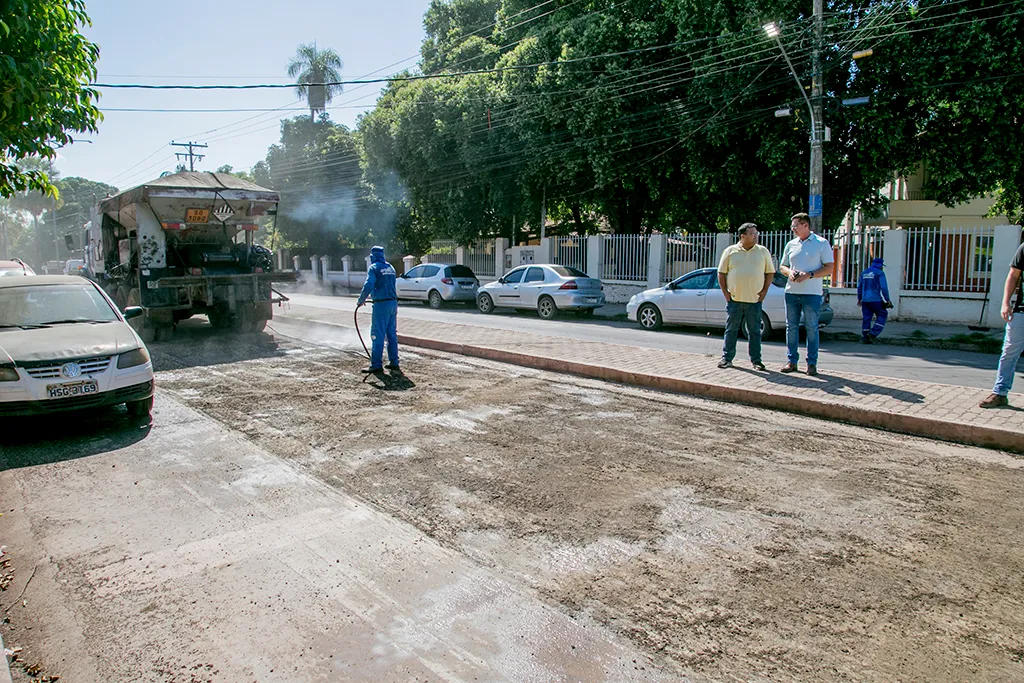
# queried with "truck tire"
point(260, 325)
point(142, 324)
point(121, 297)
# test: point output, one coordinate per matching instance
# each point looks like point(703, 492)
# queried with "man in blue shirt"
point(380, 283)
point(873, 299)
point(805, 261)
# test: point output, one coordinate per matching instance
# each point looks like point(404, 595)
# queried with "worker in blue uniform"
point(873, 299)
point(380, 286)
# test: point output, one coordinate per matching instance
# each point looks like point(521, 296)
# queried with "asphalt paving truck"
point(183, 244)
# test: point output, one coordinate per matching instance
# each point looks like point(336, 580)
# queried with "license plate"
point(197, 215)
point(592, 300)
point(466, 286)
point(73, 389)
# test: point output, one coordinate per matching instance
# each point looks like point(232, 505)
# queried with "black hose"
point(355, 318)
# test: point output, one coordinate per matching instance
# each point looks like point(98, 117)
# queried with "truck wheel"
point(142, 324)
point(260, 325)
point(164, 332)
point(218, 319)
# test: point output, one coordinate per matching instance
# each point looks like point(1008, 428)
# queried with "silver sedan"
point(696, 299)
point(437, 284)
point(547, 288)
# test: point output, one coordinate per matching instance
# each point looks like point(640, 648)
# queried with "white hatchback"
point(65, 346)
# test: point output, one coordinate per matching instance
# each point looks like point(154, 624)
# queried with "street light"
point(814, 203)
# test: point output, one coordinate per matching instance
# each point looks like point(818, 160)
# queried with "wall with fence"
point(935, 275)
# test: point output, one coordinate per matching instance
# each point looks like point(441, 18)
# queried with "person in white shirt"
point(805, 261)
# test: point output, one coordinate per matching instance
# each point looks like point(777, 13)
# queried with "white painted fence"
point(948, 259)
point(569, 251)
point(441, 251)
point(686, 252)
point(480, 258)
point(625, 258)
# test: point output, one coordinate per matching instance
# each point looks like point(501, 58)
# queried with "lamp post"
point(815, 109)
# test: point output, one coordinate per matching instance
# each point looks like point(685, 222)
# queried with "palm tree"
point(312, 65)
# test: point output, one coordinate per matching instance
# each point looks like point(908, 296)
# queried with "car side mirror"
point(671, 285)
point(133, 312)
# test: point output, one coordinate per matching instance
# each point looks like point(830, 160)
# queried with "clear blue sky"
point(225, 41)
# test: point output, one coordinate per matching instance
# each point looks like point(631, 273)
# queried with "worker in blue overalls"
point(380, 284)
point(873, 299)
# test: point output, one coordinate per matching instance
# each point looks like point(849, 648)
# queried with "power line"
point(190, 155)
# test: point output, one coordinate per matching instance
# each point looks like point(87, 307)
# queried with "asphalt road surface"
point(961, 368)
point(282, 520)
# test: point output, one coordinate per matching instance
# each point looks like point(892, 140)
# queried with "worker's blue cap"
point(877, 263)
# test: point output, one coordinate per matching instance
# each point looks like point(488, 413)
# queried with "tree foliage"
point(45, 66)
point(312, 67)
point(640, 116)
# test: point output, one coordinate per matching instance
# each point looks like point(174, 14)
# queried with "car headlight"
point(132, 358)
point(8, 375)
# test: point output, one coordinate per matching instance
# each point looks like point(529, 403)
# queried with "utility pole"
point(190, 155)
point(815, 206)
point(814, 108)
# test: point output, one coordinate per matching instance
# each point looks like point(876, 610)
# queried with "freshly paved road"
point(962, 368)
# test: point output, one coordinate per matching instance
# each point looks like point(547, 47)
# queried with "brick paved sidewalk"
point(926, 409)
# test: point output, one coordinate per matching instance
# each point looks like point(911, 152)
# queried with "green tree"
point(44, 65)
point(77, 198)
point(313, 67)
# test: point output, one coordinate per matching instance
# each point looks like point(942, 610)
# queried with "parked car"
point(15, 267)
point(437, 283)
point(65, 346)
point(548, 288)
point(696, 299)
point(74, 267)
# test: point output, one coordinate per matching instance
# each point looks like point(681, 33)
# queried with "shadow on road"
point(44, 439)
point(196, 343)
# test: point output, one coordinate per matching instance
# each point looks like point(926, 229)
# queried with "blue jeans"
point(740, 313)
point(808, 305)
point(384, 326)
point(1013, 344)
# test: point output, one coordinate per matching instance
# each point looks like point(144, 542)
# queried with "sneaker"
point(788, 368)
point(866, 339)
point(994, 401)
point(372, 371)
point(812, 370)
point(758, 365)
point(724, 363)
point(393, 367)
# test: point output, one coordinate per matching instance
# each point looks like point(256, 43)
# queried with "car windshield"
point(53, 304)
point(568, 271)
point(460, 271)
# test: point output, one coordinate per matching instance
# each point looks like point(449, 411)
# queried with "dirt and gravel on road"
point(734, 543)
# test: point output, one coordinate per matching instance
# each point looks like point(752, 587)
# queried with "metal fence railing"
point(625, 257)
point(570, 251)
point(853, 250)
point(686, 252)
point(480, 258)
point(441, 251)
point(948, 259)
point(776, 240)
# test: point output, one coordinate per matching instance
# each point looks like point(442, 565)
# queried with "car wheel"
point(434, 299)
point(141, 408)
point(485, 304)
point(649, 317)
point(766, 328)
point(546, 308)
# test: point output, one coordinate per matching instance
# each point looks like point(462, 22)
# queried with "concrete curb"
point(975, 435)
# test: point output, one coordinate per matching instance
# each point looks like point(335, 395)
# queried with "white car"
point(547, 288)
point(696, 299)
point(65, 346)
point(438, 283)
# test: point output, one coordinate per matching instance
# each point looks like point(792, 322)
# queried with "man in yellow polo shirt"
point(744, 274)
